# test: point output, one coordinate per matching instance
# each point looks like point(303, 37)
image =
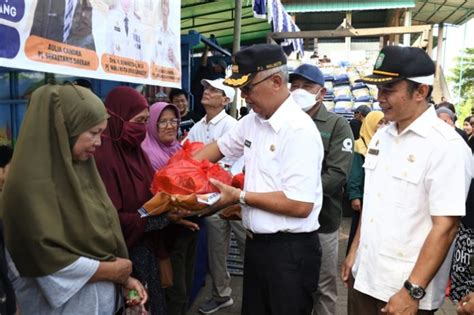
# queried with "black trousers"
point(281, 272)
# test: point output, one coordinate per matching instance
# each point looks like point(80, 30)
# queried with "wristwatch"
point(242, 198)
point(415, 291)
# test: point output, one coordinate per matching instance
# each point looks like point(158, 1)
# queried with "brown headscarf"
point(123, 166)
point(56, 210)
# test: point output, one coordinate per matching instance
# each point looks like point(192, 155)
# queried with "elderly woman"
point(162, 130)
point(127, 175)
point(160, 144)
point(61, 228)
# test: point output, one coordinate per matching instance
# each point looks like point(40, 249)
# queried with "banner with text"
point(122, 40)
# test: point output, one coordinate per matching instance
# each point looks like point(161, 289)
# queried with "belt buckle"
point(249, 234)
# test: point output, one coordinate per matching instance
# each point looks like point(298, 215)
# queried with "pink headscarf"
point(159, 153)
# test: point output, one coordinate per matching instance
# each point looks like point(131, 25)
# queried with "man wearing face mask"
point(307, 89)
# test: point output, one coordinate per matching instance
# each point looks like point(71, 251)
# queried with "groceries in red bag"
point(183, 181)
point(238, 181)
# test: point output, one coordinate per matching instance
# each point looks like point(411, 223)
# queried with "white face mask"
point(305, 99)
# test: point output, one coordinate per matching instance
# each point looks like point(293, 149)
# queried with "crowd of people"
point(76, 244)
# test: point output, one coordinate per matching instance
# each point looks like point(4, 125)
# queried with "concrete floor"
point(447, 309)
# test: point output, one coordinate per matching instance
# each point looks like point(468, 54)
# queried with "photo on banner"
point(134, 41)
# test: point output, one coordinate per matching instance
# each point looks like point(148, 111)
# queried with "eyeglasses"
point(164, 123)
point(249, 87)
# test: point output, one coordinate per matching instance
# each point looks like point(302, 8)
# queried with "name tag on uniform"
point(247, 143)
point(373, 151)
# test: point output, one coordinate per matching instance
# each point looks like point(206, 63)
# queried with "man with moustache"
point(400, 257)
point(282, 194)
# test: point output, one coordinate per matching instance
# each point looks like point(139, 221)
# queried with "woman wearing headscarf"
point(160, 144)
point(8, 303)
point(61, 228)
point(355, 185)
point(161, 134)
point(461, 290)
point(127, 175)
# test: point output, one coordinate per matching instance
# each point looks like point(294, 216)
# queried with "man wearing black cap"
point(282, 194)
point(399, 258)
point(307, 88)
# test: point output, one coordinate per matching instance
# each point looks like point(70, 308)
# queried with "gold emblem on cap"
point(235, 68)
point(237, 82)
point(272, 147)
point(411, 158)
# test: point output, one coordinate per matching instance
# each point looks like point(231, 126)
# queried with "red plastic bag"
point(183, 175)
point(187, 152)
point(238, 181)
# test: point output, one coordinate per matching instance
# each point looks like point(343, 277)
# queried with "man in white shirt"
point(216, 122)
point(67, 21)
point(166, 50)
point(211, 127)
point(282, 194)
point(124, 31)
point(417, 175)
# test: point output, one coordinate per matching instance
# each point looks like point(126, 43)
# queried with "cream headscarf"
point(367, 131)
